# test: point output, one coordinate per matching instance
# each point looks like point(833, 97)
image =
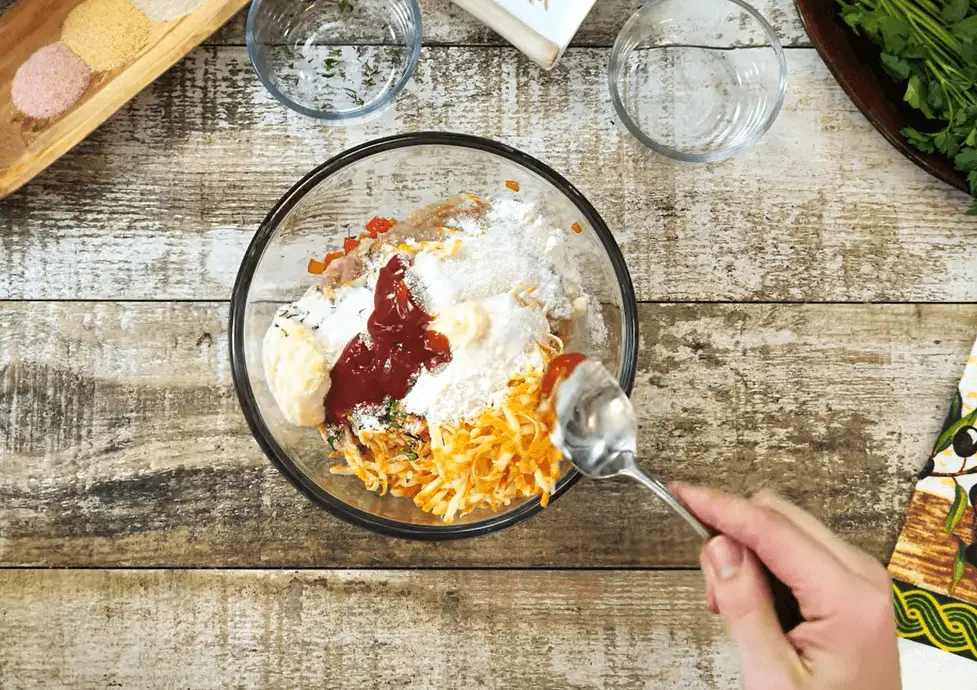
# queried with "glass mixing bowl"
point(391, 177)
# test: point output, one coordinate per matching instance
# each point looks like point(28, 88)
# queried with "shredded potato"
point(451, 470)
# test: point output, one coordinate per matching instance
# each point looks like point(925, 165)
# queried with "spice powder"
point(49, 81)
point(106, 34)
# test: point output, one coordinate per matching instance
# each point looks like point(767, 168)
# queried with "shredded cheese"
point(503, 455)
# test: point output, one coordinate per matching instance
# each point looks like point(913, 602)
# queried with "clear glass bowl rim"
point(265, 439)
point(329, 116)
point(615, 65)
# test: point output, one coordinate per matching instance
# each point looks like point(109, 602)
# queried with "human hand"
point(848, 638)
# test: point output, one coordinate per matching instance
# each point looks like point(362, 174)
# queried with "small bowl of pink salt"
point(49, 82)
point(393, 320)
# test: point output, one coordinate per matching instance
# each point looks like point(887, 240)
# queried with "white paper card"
point(541, 29)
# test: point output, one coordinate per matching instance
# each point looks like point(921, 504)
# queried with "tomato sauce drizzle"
point(399, 345)
point(559, 368)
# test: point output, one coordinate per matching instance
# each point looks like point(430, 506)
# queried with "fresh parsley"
point(932, 47)
point(345, 6)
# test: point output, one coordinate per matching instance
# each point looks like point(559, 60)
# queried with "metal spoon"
point(597, 431)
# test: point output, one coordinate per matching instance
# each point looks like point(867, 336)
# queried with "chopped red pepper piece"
point(378, 225)
point(332, 256)
point(576, 228)
point(350, 243)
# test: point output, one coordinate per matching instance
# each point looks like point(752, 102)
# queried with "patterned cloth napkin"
point(934, 567)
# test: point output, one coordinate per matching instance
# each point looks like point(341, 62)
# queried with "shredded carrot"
point(512, 184)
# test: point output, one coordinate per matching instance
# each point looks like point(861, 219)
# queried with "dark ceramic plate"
point(854, 62)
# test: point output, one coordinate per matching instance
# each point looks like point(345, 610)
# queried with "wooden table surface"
point(806, 310)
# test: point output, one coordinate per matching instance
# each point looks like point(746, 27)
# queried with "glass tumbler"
point(334, 60)
point(697, 80)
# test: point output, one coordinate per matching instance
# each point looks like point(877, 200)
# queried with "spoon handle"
point(632, 470)
point(785, 604)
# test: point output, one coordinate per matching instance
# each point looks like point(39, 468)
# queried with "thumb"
point(742, 597)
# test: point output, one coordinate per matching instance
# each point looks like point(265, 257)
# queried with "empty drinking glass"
point(697, 80)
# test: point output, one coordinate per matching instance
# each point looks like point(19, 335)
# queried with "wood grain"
point(447, 24)
point(28, 145)
point(161, 202)
point(122, 441)
point(348, 629)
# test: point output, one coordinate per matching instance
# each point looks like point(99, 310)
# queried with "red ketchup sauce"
point(559, 368)
point(399, 345)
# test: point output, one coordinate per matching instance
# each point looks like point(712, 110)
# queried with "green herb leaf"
point(966, 160)
point(895, 65)
point(923, 142)
point(955, 10)
point(410, 455)
point(331, 440)
point(345, 6)
point(895, 33)
point(965, 29)
point(935, 95)
point(914, 95)
point(288, 52)
point(957, 510)
point(959, 564)
point(972, 181)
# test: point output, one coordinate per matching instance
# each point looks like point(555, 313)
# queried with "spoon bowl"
point(597, 432)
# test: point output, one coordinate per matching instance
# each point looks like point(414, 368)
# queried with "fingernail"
point(725, 555)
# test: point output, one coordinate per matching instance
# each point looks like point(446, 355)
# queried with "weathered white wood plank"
point(162, 200)
point(447, 24)
point(121, 441)
point(360, 630)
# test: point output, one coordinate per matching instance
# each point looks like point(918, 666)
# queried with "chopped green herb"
point(410, 455)
point(355, 96)
point(331, 439)
point(932, 48)
point(331, 63)
point(288, 52)
point(345, 6)
point(369, 82)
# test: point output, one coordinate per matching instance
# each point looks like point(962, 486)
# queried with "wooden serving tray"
point(27, 145)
